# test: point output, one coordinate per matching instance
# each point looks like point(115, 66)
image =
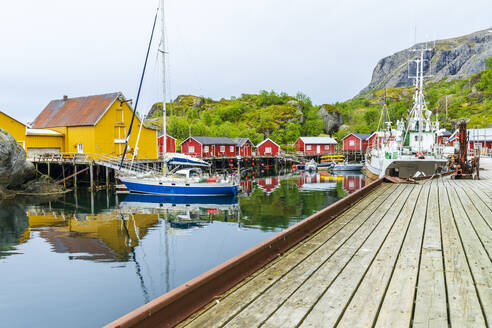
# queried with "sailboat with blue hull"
point(177, 181)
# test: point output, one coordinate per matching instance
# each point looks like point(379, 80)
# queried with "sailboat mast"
point(163, 51)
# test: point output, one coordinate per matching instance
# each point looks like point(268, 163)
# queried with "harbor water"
point(85, 259)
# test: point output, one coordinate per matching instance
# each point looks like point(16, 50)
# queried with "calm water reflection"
point(83, 260)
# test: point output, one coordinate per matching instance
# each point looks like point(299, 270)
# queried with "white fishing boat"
point(411, 149)
point(172, 182)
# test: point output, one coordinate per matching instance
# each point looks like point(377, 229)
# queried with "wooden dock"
point(405, 255)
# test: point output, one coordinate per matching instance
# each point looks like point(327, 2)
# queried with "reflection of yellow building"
point(97, 125)
point(85, 236)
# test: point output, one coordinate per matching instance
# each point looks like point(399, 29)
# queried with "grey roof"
point(221, 141)
point(241, 141)
point(362, 136)
point(318, 140)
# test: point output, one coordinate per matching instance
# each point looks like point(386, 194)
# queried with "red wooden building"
point(170, 144)
point(316, 145)
point(443, 137)
point(267, 148)
point(356, 142)
point(217, 147)
point(375, 139)
point(477, 138)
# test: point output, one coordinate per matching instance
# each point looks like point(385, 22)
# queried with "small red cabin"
point(355, 141)
point(375, 139)
point(316, 145)
point(170, 144)
point(477, 138)
point(443, 137)
point(216, 147)
point(267, 148)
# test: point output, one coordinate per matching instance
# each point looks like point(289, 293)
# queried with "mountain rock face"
point(332, 119)
point(453, 58)
point(14, 169)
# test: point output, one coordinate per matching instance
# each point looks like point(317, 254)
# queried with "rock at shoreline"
point(14, 169)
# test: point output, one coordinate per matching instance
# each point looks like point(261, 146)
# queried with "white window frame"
point(191, 149)
point(308, 147)
point(351, 142)
point(222, 149)
point(268, 150)
point(206, 149)
point(327, 147)
point(80, 148)
point(231, 149)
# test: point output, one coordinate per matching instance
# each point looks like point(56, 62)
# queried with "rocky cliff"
point(452, 58)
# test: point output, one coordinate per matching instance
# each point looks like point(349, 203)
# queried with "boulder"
point(14, 169)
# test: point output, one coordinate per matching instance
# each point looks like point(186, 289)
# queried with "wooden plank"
point(222, 311)
point(296, 292)
point(464, 306)
point(430, 303)
point(396, 309)
point(478, 222)
point(481, 206)
point(477, 258)
point(330, 307)
point(364, 305)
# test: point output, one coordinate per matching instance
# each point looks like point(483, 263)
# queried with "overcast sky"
point(217, 48)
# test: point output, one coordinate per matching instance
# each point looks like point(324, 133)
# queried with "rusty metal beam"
point(176, 305)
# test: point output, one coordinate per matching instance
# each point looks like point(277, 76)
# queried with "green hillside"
point(284, 118)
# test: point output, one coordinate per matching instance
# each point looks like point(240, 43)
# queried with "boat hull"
point(179, 189)
point(348, 167)
point(404, 168)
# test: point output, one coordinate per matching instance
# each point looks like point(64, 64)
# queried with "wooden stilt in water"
point(91, 173)
point(107, 177)
point(75, 177)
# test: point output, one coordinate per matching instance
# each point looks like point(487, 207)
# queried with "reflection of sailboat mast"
point(137, 265)
point(167, 254)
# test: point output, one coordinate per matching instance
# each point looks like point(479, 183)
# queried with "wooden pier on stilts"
point(390, 255)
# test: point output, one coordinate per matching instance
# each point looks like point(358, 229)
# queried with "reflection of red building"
point(269, 184)
point(246, 186)
point(353, 183)
point(170, 144)
point(307, 178)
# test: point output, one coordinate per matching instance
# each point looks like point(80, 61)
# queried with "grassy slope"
point(284, 118)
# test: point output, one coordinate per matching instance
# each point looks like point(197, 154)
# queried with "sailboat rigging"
point(179, 182)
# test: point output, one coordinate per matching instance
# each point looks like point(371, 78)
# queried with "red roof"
point(81, 111)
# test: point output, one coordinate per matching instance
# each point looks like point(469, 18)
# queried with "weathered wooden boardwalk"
point(406, 255)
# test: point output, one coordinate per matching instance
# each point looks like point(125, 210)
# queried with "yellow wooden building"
point(97, 125)
point(33, 141)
